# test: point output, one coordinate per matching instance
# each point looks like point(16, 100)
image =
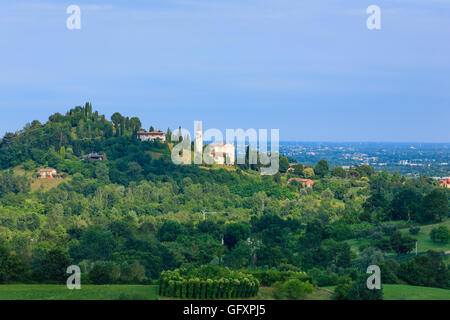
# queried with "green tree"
point(339, 172)
point(435, 206)
point(321, 169)
point(402, 244)
point(234, 232)
point(440, 234)
point(308, 172)
point(54, 265)
point(284, 164)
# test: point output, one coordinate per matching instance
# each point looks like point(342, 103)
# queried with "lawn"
point(87, 292)
point(406, 292)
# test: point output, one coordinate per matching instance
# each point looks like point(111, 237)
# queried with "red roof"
point(152, 133)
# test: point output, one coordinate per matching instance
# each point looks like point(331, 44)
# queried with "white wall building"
point(151, 136)
point(222, 153)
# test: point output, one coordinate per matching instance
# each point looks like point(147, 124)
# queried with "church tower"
point(198, 143)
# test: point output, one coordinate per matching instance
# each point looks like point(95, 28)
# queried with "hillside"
point(128, 217)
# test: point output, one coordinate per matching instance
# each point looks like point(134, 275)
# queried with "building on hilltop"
point(151, 136)
point(305, 182)
point(445, 183)
point(48, 173)
point(222, 153)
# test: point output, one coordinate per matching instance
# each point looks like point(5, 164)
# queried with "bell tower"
point(198, 143)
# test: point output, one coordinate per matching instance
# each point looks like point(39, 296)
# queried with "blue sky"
point(309, 68)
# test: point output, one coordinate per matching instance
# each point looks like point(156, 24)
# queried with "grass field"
point(423, 237)
point(140, 292)
point(87, 292)
point(406, 292)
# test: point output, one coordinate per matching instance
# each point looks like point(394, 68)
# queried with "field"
point(424, 241)
point(87, 292)
point(406, 292)
point(141, 292)
point(423, 237)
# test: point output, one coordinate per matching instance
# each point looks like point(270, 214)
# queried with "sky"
point(311, 69)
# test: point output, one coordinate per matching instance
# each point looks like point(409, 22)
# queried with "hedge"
point(190, 284)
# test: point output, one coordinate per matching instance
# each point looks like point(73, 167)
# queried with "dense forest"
point(131, 217)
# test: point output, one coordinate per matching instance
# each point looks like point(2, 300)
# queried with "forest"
point(135, 217)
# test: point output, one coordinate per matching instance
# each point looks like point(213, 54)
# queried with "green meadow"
point(87, 292)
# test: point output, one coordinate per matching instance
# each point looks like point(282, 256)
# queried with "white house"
point(151, 136)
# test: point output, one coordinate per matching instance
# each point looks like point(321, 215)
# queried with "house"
point(445, 183)
point(94, 156)
point(222, 153)
point(48, 173)
point(305, 182)
point(151, 136)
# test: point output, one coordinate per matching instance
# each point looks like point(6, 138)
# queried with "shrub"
point(414, 229)
point(292, 289)
point(269, 277)
point(389, 228)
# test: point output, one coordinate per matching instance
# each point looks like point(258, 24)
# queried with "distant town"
point(409, 159)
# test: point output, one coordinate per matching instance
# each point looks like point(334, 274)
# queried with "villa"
point(151, 136)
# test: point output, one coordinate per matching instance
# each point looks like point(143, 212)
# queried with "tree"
point(308, 172)
point(406, 205)
point(435, 206)
point(440, 234)
point(428, 270)
point(170, 230)
point(284, 164)
point(234, 232)
point(359, 290)
point(117, 120)
point(367, 257)
point(322, 168)
point(135, 125)
point(54, 265)
point(298, 169)
point(402, 244)
point(339, 172)
point(100, 274)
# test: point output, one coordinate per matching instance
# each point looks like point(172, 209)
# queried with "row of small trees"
point(179, 284)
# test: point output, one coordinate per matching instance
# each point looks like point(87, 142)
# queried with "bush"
point(292, 289)
point(414, 229)
point(389, 228)
point(357, 290)
point(323, 278)
point(100, 274)
point(268, 277)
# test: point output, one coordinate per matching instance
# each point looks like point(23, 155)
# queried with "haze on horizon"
point(312, 70)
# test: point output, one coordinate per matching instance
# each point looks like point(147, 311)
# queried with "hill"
point(128, 217)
